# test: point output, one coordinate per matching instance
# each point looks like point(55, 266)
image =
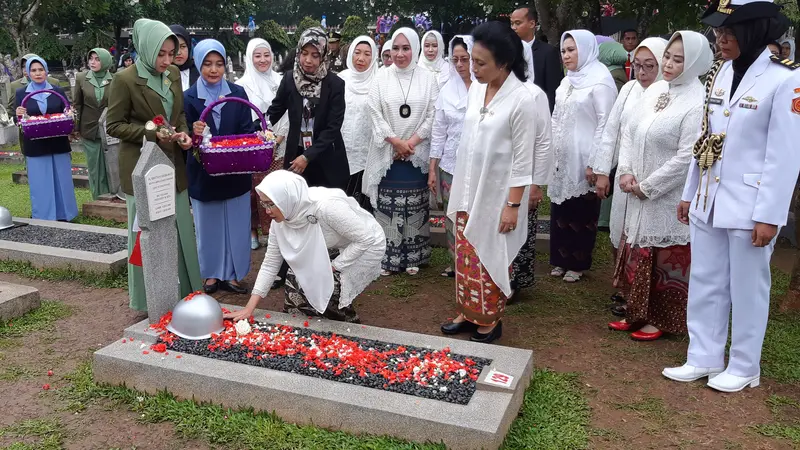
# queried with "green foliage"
point(233, 45)
point(91, 279)
point(45, 44)
point(275, 35)
point(41, 318)
point(354, 26)
point(49, 432)
point(6, 43)
point(306, 23)
point(89, 39)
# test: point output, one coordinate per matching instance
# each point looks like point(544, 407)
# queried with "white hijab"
point(299, 235)
point(438, 64)
point(791, 45)
point(413, 40)
point(656, 45)
point(386, 46)
point(454, 94)
point(260, 86)
point(357, 82)
point(697, 56)
point(590, 71)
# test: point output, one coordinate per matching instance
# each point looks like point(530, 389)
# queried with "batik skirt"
point(258, 215)
point(573, 231)
point(295, 301)
point(524, 265)
point(354, 185)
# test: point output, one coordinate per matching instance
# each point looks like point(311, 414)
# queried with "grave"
point(80, 176)
point(476, 415)
point(482, 423)
point(108, 206)
point(11, 157)
point(51, 244)
point(16, 300)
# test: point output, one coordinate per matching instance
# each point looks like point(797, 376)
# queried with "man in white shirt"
point(544, 62)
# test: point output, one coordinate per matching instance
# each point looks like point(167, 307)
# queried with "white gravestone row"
point(154, 190)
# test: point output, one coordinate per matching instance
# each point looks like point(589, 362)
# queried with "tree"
point(275, 35)
point(306, 23)
point(17, 18)
point(353, 27)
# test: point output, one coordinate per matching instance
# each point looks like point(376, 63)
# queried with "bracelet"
point(305, 157)
point(513, 205)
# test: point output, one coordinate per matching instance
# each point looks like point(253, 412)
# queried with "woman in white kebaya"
point(653, 162)
point(583, 103)
point(432, 57)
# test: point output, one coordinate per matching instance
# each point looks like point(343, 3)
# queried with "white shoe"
point(687, 373)
point(726, 382)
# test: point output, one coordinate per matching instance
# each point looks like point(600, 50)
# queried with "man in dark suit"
point(547, 71)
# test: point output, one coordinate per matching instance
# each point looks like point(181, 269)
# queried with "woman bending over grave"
point(310, 227)
point(152, 87)
point(219, 202)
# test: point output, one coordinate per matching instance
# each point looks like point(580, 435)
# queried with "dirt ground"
point(632, 405)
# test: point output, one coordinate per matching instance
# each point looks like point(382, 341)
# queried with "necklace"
point(405, 110)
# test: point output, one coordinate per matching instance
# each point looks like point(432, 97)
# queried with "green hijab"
point(102, 77)
point(613, 55)
point(148, 37)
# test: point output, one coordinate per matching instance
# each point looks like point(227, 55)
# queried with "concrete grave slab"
point(42, 256)
point(107, 207)
point(16, 300)
point(78, 180)
point(481, 424)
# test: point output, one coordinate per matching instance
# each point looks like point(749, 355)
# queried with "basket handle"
point(64, 99)
point(208, 109)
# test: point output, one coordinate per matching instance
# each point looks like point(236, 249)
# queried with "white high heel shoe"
point(687, 373)
point(726, 382)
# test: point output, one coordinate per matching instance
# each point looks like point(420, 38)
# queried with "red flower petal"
point(305, 324)
point(46, 387)
point(145, 352)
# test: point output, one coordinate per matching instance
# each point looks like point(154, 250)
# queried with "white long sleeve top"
point(657, 150)
point(361, 245)
point(356, 127)
point(542, 145)
point(495, 154)
point(445, 137)
point(578, 121)
point(392, 88)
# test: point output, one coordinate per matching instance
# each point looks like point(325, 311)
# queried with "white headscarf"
point(299, 235)
point(355, 81)
point(590, 71)
point(454, 94)
point(656, 45)
point(697, 56)
point(386, 46)
point(438, 64)
point(260, 86)
point(791, 46)
point(413, 40)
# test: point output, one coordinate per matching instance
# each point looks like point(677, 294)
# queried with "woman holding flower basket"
point(48, 161)
point(141, 94)
point(221, 203)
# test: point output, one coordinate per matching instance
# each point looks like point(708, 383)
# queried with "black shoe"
point(619, 311)
point(460, 327)
point(211, 288)
point(489, 337)
point(278, 283)
point(236, 289)
point(618, 298)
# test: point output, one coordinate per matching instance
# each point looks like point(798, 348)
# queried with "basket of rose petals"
point(236, 154)
point(48, 125)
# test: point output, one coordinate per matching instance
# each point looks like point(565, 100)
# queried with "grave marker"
point(154, 190)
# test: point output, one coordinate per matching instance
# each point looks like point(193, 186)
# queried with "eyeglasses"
point(464, 60)
point(724, 33)
point(267, 205)
point(644, 67)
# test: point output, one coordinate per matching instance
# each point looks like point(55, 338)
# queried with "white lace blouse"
point(356, 128)
point(361, 244)
point(392, 88)
point(657, 150)
point(445, 137)
point(578, 121)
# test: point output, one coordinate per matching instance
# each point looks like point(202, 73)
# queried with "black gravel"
point(454, 392)
point(70, 239)
point(543, 226)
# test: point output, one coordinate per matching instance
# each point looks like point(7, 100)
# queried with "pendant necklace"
point(405, 110)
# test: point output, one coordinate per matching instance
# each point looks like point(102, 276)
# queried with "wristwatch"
point(513, 205)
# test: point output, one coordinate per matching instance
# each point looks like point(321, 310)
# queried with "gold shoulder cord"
point(708, 148)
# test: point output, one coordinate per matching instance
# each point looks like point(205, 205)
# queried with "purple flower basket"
point(47, 128)
point(237, 160)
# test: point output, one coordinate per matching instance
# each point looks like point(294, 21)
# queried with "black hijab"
point(753, 37)
point(183, 34)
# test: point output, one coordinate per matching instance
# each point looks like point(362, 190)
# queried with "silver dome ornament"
point(196, 317)
point(6, 221)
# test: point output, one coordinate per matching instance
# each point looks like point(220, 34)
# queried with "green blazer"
point(130, 106)
point(12, 92)
point(85, 103)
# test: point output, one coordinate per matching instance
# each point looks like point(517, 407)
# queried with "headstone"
point(154, 190)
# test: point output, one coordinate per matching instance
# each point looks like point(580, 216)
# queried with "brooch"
point(663, 101)
point(312, 219)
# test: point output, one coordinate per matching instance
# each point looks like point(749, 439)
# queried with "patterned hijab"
point(310, 85)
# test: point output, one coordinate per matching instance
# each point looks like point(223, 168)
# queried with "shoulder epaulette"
point(788, 63)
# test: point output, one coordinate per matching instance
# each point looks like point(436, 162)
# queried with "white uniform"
point(751, 181)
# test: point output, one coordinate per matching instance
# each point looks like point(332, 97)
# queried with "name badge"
point(748, 106)
point(307, 139)
point(715, 101)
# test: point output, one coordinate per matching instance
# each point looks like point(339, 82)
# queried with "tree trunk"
point(20, 26)
point(548, 20)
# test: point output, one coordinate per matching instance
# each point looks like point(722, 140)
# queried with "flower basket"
point(47, 125)
point(236, 154)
